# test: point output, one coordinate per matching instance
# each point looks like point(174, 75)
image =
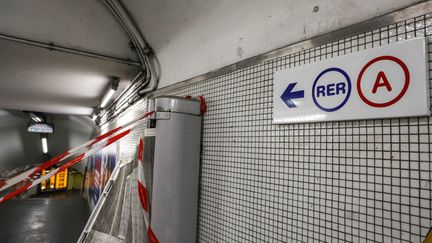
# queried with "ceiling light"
point(107, 97)
point(35, 118)
point(44, 145)
point(94, 117)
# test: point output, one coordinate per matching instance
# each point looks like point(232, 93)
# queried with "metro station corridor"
point(143, 121)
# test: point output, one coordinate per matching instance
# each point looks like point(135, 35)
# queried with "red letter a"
point(378, 83)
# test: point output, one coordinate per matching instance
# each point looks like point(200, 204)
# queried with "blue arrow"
point(288, 95)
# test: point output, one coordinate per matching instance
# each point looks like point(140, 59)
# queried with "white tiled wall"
point(352, 181)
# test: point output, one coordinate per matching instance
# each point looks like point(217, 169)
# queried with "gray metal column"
point(176, 170)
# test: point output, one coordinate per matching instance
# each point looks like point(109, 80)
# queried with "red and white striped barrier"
point(143, 193)
point(62, 157)
point(91, 146)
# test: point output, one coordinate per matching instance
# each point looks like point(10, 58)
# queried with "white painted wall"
point(192, 37)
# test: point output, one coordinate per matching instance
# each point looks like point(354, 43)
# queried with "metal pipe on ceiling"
point(141, 46)
point(51, 46)
point(128, 97)
point(127, 90)
point(147, 80)
point(126, 21)
point(152, 83)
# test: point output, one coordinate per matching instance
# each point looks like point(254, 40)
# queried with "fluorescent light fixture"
point(94, 117)
point(44, 145)
point(107, 97)
point(113, 87)
point(34, 117)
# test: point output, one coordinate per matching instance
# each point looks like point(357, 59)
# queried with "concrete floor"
point(48, 220)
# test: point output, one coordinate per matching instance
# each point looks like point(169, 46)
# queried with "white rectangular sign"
point(382, 82)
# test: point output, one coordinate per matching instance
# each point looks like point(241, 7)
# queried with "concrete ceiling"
point(190, 37)
point(81, 24)
point(36, 79)
point(33, 78)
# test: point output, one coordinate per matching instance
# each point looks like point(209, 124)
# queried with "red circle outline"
point(401, 94)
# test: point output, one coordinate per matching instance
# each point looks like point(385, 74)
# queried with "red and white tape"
point(91, 146)
point(143, 193)
point(28, 175)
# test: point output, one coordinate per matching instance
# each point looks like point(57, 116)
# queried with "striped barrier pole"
point(143, 193)
point(76, 160)
point(62, 157)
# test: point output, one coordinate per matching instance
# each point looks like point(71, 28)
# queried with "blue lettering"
point(321, 90)
point(340, 88)
point(331, 89)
